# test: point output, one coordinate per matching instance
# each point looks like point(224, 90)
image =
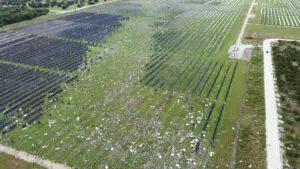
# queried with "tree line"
point(9, 15)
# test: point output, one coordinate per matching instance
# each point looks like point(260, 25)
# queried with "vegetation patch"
point(10, 162)
point(10, 15)
point(286, 58)
point(251, 137)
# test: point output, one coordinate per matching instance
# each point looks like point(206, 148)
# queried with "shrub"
point(65, 6)
point(90, 2)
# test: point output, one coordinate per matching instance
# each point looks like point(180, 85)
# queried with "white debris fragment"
point(106, 167)
point(178, 155)
point(77, 118)
point(45, 134)
point(182, 139)
point(250, 166)
point(211, 153)
point(51, 122)
point(57, 148)
point(65, 119)
point(132, 149)
point(177, 165)
point(190, 135)
point(159, 156)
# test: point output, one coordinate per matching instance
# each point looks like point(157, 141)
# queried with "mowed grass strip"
point(251, 137)
point(10, 162)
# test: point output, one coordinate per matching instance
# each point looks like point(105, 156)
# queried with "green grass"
point(109, 99)
point(9, 162)
point(262, 32)
point(251, 137)
point(224, 147)
point(110, 76)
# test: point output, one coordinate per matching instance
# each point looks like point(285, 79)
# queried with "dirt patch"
point(243, 52)
point(31, 158)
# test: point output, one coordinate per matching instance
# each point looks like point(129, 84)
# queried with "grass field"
point(251, 139)
point(161, 91)
point(9, 162)
point(261, 30)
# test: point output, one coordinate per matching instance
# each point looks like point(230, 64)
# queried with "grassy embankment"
point(251, 137)
point(9, 162)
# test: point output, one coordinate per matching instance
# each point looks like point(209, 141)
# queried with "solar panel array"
point(42, 51)
point(81, 26)
point(24, 90)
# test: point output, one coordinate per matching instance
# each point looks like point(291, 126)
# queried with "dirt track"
point(31, 158)
point(274, 157)
point(240, 37)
